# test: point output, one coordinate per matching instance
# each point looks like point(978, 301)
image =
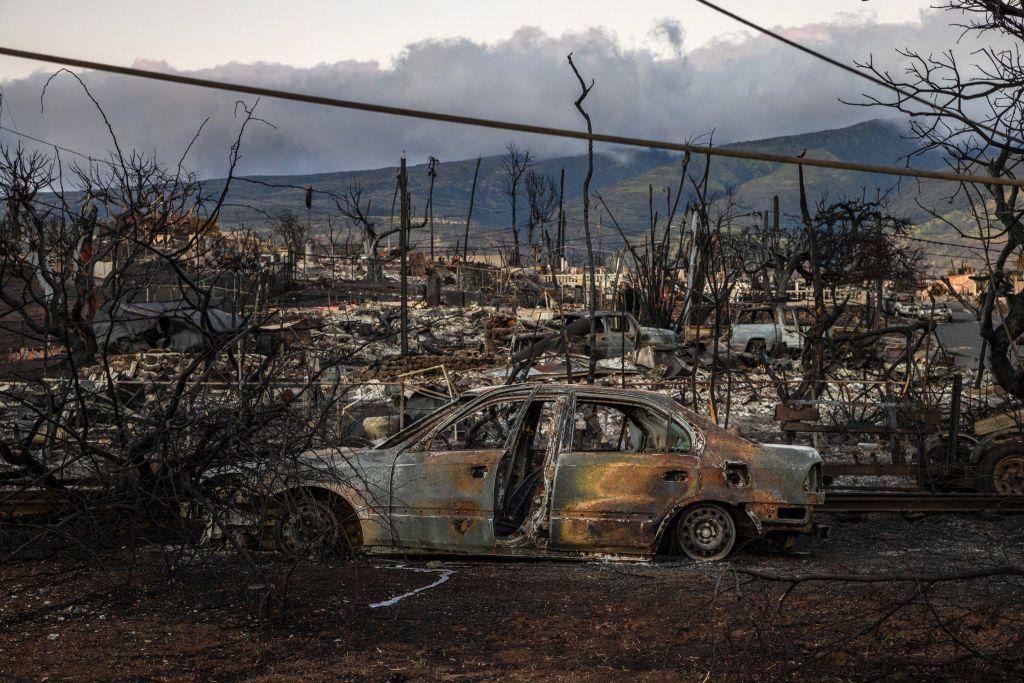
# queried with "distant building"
point(964, 284)
point(491, 259)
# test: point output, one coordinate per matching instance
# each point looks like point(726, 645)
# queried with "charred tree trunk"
point(584, 91)
point(561, 218)
point(403, 232)
point(469, 219)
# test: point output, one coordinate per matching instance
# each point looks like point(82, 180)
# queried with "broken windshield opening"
point(424, 424)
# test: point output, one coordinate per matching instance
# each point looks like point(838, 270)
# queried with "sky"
point(664, 68)
point(194, 34)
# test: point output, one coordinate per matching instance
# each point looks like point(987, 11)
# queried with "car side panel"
point(743, 333)
point(614, 501)
point(444, 499)
point(361, 478)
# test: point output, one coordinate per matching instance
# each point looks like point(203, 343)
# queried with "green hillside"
point(622, 177)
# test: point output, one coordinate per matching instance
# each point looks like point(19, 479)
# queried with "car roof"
point(599, 390)
point(584, 314)
point(562, 387)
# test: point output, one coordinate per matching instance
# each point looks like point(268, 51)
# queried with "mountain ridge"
point(622, 177)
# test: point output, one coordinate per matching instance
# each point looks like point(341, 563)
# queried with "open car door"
point(525, 477)
point(443, 487)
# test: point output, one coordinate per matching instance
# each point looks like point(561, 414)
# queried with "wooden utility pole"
point(309, 225)
point(403, 245)
point(469, 217)
point(432, 172)
point(561, 220)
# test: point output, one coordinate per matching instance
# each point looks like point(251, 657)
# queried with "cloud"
point(670, 31)
point(741, 87)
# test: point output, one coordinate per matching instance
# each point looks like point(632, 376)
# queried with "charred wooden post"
point(403, 242)
point(432, 173)
point(469, 219)
point(584, 91)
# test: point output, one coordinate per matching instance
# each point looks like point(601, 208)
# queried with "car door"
point(622, 467)
point(600, 338)
point(443, 487)
point(619, 336)
point(791, 332)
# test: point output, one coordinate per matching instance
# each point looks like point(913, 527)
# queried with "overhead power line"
point(47, 143)
point(508, 125)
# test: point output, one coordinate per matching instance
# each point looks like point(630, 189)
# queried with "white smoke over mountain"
point(742, 88)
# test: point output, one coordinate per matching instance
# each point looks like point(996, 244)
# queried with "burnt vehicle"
point(768, 329)
point(549, 471)
point(615, 334)
point(998, 453)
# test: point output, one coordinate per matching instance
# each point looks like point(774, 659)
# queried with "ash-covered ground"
point(490, 620)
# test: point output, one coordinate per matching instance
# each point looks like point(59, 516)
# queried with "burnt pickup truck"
point(766, 329)
point(564, 471)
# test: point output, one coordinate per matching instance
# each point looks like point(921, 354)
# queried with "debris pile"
point(394, 367)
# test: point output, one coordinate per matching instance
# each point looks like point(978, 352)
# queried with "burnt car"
point(549, 471)
point(615, 334)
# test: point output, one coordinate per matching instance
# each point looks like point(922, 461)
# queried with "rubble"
point(394, 367)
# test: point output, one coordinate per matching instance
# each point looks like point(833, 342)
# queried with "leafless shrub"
point(121, 256)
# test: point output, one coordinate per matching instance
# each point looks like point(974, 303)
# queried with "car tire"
point(307, 528)
point(961, 474)
point(705, 533)
point(756, 347)
point(1001, 471)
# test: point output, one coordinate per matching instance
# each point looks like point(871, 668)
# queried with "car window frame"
point(473, 406)
point(567, 443)
point(411, 432)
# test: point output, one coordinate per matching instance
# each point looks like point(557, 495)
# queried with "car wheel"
point(756, 347)
point(307, 528)
point(706, 532)
point(1002, 471)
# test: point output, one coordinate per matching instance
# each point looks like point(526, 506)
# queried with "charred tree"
point(517, 163)
point(584, 91)
point(353, 208)
point(973, 120)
